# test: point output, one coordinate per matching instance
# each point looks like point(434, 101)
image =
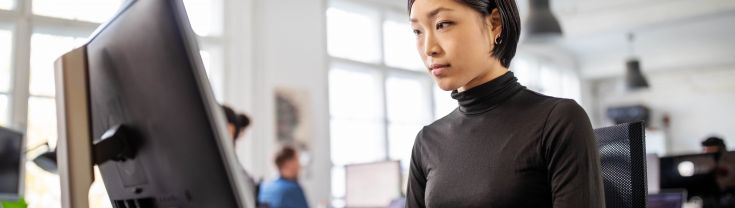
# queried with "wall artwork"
point(294, 121)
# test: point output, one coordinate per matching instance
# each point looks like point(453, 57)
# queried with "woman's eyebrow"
point(433, 13)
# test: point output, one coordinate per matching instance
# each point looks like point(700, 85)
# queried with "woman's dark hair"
point(240, 121)
point(511, 21)
point(284, 155)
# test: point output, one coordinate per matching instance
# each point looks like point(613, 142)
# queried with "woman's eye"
point(442, 25)
point(416, 32)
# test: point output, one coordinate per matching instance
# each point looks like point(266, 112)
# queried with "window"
point(409, 110)
point(202, 16)
point(212, 60)
point(54, 27)
point(5, 47)
point(85, 10)
point(208, 26)
point(4, 105)
point(547, 78)
point(443, 102)
point(400, 46)
point(42, 188)
point(45, 49)
point(351, 33)
point(380, 95)
point(7, 4)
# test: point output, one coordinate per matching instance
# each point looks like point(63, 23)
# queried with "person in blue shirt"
point(285, 191)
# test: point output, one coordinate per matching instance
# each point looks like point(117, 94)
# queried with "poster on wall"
point(294, 121)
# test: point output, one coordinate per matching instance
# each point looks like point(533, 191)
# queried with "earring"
point(498, 40)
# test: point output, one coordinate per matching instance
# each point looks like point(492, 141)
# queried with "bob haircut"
point(511, 22)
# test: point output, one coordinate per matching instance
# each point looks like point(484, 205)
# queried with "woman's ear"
point(496, 23)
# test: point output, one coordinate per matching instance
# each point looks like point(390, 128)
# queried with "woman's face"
point(455, 42)
point(231, 129)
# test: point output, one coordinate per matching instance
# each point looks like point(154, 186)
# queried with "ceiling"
point(669, 34)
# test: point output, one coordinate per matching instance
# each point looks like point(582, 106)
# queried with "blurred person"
point(236, 125)
point(285, 191)
point(505, 145)
point(714, 145)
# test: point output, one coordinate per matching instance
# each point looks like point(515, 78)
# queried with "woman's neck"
point(492, 73)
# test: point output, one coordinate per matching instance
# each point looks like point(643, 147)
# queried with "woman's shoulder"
point(565, 109)
point(551, 104)
point(443, 123)
point(553, 109)
point(565, 118)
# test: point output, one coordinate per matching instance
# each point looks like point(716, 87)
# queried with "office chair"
point(623, 164)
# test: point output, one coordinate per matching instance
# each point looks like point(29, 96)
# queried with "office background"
point(367, 92)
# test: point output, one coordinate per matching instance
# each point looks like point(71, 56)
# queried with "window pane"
point(202, 16)
point(41, 121)
point(4, 107)
point(42, 189)
point(45, 49)
point(401, 138)
point(352, 33)
point(356, 141)
point(7, 4)
point(399, 46)
point(408, 100)
point(214, 73)
point(86, 10)
point(5, 48)
point(354, 94)
point(443, 103)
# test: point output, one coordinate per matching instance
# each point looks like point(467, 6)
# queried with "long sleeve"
point(570, 151)
point(416, 178)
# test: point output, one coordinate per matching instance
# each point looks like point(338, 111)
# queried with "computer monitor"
point(695, 173)
point(666, 199)
point(372, 184)
point(159, 135)
point(11, 164)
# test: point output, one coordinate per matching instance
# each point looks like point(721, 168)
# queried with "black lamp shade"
point(634, 78)
point(47, 161)
point(540, 21)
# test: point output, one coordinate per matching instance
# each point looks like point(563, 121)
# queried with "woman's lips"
point(439, 69)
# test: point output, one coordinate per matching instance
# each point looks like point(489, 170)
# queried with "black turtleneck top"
point(506, 146)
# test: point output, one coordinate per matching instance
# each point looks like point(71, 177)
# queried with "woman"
point(236, 123)
point(504, 146)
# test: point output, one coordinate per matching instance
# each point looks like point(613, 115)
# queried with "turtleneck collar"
point(487, 96)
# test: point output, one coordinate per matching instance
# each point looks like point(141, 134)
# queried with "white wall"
point(700, 102)
point(279, 44)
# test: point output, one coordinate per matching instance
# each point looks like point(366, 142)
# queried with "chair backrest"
point(623, 164)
